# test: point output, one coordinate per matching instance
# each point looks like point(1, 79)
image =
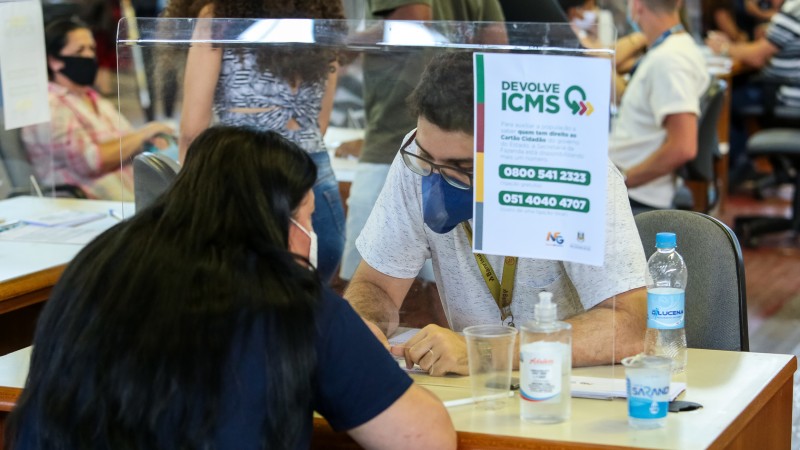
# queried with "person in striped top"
point(778, 56)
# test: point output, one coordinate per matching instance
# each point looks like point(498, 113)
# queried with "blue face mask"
point(444, 206)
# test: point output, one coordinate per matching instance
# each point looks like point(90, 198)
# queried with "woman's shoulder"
point(332, 303)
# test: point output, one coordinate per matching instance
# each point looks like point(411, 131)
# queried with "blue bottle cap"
point(665, 240)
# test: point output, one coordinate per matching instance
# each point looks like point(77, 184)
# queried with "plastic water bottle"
point(666, 286)
point(545, 354)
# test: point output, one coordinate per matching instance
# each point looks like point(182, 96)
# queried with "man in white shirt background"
point(655, 132)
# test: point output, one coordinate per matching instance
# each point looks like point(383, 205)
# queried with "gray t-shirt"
point(396, 242)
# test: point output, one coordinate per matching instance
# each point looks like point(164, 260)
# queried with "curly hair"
point(290, 64)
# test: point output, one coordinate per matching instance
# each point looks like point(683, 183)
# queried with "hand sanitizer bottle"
point(545, 355)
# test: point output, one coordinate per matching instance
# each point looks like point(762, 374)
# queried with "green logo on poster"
point(581, 106)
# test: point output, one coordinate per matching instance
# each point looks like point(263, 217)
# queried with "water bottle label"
point(647, 401)
point(540, 375)
point(665, 310)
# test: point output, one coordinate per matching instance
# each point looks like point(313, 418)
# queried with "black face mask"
point(82, 71)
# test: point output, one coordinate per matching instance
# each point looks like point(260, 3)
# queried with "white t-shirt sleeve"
point(676, 86)
point(393, 240)
point(624, 266)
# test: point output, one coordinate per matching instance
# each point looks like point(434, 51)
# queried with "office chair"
point(701, 168)
point(716, 302)
point(6, 188)
point(14, 157)
point(779, 144)
point(152, 175)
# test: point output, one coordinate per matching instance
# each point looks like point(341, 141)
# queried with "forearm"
point(116, 151)
point(605, 334)
point(619, 86)
point(663, 162)
point(627, 49)
point(327, 99)
point(754, 54)
point(679, 147)
point(374, 304)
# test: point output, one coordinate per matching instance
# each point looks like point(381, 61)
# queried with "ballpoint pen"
point(471, 400)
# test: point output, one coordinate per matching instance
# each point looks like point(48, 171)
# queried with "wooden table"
point(747, 399)
point(29, 270)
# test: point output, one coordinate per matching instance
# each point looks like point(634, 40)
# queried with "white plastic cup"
point(647, 378)
point(490, 353)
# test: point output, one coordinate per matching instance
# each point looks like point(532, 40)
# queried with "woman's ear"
point(55, 64)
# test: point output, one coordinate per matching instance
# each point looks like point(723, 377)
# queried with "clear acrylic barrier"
point(389, 57)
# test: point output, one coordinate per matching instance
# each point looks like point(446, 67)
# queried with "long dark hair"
point(139, 327)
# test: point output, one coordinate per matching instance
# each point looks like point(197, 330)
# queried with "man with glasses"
point(424, 211)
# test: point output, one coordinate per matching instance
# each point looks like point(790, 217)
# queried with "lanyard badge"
point(503, 291)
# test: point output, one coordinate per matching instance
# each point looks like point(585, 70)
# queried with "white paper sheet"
point(608, 388)
point(23, 68)
point(52, 235)
point(64, 218)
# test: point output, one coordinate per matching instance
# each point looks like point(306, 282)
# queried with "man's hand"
point(718, 42)
point(437, 350)
point(350, 149)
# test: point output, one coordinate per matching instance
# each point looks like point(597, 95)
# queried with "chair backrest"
point(716, 303)
point(701, 168)
point(15, 157)
point(6, 189)
point(152, 175)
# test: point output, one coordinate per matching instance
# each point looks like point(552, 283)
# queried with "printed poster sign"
point(541, 156)
point(23, 69)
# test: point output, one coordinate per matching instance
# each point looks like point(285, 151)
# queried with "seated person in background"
point(655, 132)
point(220, 337)
point(762, 12)
point(719, 16)
point(594, 26)
point(778, 55)
point(426, 198)
point(81, 143)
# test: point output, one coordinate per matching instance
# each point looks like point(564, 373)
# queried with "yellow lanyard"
point(503, 291)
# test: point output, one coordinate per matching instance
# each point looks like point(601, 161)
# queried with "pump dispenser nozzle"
point(545, 310)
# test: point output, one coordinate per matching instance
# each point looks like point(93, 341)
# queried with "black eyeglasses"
point(458, 178)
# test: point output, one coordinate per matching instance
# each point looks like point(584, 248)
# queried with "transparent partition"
point(339, 89)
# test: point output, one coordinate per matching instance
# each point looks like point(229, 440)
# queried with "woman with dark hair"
point(720, 16)
point(288, 89)
point(86, 137)
point(197, 324)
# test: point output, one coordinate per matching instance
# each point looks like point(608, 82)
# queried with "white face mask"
point(312, 250)
point(587, 22)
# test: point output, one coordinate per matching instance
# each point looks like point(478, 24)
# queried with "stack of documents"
point(59, 227)
point(608, 388)
point(64, 218)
